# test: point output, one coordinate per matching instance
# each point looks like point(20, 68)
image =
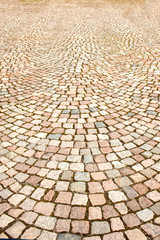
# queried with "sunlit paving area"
point(80, 119)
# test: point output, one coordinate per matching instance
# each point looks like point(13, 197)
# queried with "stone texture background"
point(80, 120)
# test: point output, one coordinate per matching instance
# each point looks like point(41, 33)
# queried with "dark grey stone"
point(68, 236)
point(75, 111)
point(100, 125)
point(151, 112)
point(100, 227)
point(54, 136)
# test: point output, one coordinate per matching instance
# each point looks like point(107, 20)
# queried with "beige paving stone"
point(15, 212)
point(117, 196)
point(151, 229)
point(79, 199)
point(78, 213)
point(109, 211)
point(63, 225)
point(47, 235)
point(135, 233)
point(121, 207)
point(5, 220)
point(95, 213)
point(45, 222)
point(16, 229)
point(28, 204)
point(4, 207)
point(38, 193)
point(31, 233)
point(62, 211)
point(29, 217)
point(131, 220)
point(92, 238)
point(114, 236)
point(145, 215)
point(116, 224)
point(80, 227)
point(157, 220)
point(3, 235)
point(97, 199)
point(16, 199)
point(44, 208)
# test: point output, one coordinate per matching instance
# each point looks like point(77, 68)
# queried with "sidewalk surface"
point(80, 119)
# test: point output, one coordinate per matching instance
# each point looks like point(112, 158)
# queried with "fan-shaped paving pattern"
point(80, 120)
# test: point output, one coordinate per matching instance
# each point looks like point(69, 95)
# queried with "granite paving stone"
point(151, 229)
point(114, 236)
point(95, 213)
point(117, 196)
point(131, 220)
point(63, 225)
point(47, 235)
point(79, 199)
point(78, 213)
point(5, 220)
point(145, 215)
point(31, 233)
point(156, 208)
point(45, 208)
point(28, 204)
point(81, 227)
point(29, 217)
point(135, 233)
point(100, 227)
point(92, 238)
point(68, 236)
point(15, 230)
point(116, 224)
point(4, 207)
point(45, 222)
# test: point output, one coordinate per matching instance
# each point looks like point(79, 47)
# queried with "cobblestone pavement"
point(80, 120)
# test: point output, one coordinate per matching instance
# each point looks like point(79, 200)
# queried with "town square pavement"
point(80, 119)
